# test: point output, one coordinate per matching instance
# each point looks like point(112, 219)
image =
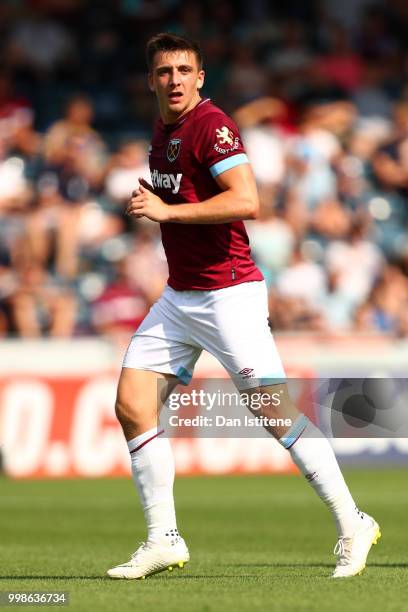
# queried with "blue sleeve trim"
point(227, 164)
point(294, 432)
point(184, 376)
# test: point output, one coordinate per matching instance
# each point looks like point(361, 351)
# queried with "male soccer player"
point(202, 190)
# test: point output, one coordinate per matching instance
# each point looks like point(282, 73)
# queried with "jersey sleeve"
point(218, 144)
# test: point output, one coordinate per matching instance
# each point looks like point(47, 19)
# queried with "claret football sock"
point(153, 474)
point(314, 456)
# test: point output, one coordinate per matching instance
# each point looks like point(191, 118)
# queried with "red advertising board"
point(66, 427)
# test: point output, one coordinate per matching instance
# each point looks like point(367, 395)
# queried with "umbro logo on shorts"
point(247, 373)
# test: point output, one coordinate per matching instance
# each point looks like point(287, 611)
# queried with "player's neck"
point(169, 117)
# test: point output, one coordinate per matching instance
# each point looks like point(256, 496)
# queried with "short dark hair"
point(165, 41)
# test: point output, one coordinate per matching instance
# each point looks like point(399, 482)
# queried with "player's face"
point(176, 80)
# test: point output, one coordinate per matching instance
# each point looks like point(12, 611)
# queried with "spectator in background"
point(357, 262)
point(354, 172)
point(303, 278)
point(246, 80)
point(290, 62)
point(14, 189)
point(341, 65)
point(17, 132)
point(190, 20)
point(216, 54)
point(371, 98)
point(40, 45)
point(391, 160)
point(272, 242)
point(15, 110)
point(374, 39)
point(264, 139)
point(46, 226)
point(330, 221)
point(353, 267)
point(122, 306)
point(386, 307)
point(124, 170)
point(315, 150)
point(289, 313)
point(75, 157)
point(390, 206)
point(146, 260)
point(38, 305)
point(73, 140)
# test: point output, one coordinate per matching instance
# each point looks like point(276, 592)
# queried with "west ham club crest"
point(173, 149)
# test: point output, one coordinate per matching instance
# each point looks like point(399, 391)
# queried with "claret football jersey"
point(185, 157)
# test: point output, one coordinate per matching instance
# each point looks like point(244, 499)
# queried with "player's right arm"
point(238, 200)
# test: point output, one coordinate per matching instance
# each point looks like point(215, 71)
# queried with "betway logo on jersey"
point(166, 181)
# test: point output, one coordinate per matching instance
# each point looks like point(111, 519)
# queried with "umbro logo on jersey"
point(247, 373)
point(166, 181)
point(173, 149)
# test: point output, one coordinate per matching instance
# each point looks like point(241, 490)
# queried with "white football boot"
point(353, 550)
point(152, 558)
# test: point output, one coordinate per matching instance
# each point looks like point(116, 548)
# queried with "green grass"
point(257, 543)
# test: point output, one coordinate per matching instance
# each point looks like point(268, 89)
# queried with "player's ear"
point(150, 81)
point(200, 79)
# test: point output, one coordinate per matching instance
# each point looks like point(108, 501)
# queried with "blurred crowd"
point(321, 99)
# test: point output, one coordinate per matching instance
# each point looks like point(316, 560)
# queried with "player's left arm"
point(238, 200)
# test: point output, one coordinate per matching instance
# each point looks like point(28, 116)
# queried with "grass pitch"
point(257, 543)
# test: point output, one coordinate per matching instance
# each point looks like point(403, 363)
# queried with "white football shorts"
point(230, 323)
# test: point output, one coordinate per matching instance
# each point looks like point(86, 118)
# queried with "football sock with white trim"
point(153, 474)
point(314, 456)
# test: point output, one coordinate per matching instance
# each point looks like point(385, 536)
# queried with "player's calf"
point(278, 409)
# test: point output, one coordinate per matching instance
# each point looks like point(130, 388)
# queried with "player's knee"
point(128, 411)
